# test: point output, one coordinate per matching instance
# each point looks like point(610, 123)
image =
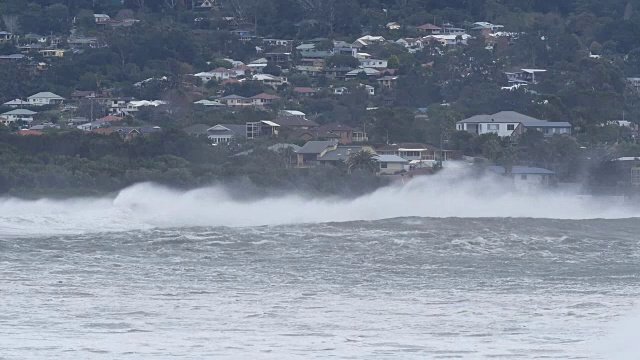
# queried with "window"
point(523, 177)
point(383, 165)
point(511, 127)
point(493, 127)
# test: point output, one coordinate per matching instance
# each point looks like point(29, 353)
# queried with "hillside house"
point(391, 164)
point(264, 99)
point(270, 80)
point(524, 76)
point(393, 26)
point(373, 63)
point(45, 98)
point(411, 151)
point(388, 82)
point(16, 103)
point(525, 178)
point(236, 100)
point(225, 133)
point(22, 116)
point(305, 91)
point(429, 29)
point(101, 19)
point(511, 123)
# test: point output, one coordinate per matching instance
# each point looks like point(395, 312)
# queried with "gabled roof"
point(196, 129)
point(367, 71)
point(265, 96)
point(16, 102)
point(334, 127)
point(521, 170)
point(46, 95)
point(429, 27)
point(407, 146)
point(20, 112)
point(341, 153)
point(305, 47)
point(316, 147)
point(294, 121)
point(222, 70)
point(228, 129)
point(233, 97)
point(501, 117)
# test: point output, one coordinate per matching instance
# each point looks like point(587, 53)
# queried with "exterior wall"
point(527, 182)
point(502, 129)
point(390, 168)
point(220, 139)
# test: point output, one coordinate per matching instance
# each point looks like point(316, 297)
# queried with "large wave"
point(147, 206)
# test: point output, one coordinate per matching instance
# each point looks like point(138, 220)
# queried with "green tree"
point(362, 160)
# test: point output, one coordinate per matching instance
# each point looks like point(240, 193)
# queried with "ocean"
point(409, 272)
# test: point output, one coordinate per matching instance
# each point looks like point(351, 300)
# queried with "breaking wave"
point(148, 206)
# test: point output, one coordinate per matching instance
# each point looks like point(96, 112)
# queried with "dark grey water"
point(409, 288)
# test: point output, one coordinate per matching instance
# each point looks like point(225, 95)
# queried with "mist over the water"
point(146, 206)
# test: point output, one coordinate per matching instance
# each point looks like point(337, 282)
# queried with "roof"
point(281, 146)
point(341, 153)
point(232, 97)
point(16, 102)
point(367, 71)
point(30, 132)
point(388, 78)
point(293, 121)
point(334, 127)
point(407, 145)
point(20, 112)
point(46, 95)
point(265, 96)
point(391, 159)
point(197, 129)
point(305, 47)
point(549, 124)
point(110, 118)
point(304, 90)
point(521, 170)
point(502, 117)
point(292, 113)
point(270, 123)
point(315, 147)
point(231, 129)
point(429, 27)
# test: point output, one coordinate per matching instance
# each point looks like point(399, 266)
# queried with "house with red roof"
point(305, 91)
point(264, 99)
point(429, 29)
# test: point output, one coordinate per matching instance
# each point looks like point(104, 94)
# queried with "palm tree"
point(363, 159)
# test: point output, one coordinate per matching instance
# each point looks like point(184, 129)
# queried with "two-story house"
point(511, 123)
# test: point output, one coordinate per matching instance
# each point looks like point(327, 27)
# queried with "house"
point(449, 29)
point(429, 29)
point(449, 39)
point(19, 115)
point(412, 44)
point(204, 5)
point(511, 123)
point(337, 72)
point(294, 122)
point(81, 94)
point(270, 80)
point(368, 72)
point(5, 36)
point(308, 155)
point(373, 63)
point(369, 39)
point(411, 151)
point(278, 42)
point(343, 133)
point(344, 48)
point(388, 82)
point(79, 42)
point(242, 34)
point(52, 53)
point(101, 19)
point(340, 154)
point(45, 98)
point(36, 37)
point(6, 122)
point(225, 133)
point(261, 129)
point(12, 58)
point(393, 26)
point(305, 91)
point(264, 99)
point(311, 71)
point(205, 76)
point(482, 25)
point(524, 177)
point(340, 90)
point(296, 113)
point(309, 51)
point(391, 164)
point(279, 55)
point(223, 74)
point(17, 103)
point(525, 76)
point(241, 70)
point(209, 103)
point(369, 89)
point(236, 100)
point(92, 126)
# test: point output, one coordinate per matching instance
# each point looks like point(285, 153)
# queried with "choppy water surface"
point(409, 288)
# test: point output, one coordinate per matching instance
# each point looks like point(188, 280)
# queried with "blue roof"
point(521, 170)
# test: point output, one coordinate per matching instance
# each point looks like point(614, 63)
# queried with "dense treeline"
point(76, 163)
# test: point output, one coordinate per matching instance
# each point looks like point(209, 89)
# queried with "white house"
point(393, 26)
point(373, 63)
point(16, 103)
point(391, 164)
point(511, 123)
point(23, 115)
point(450, 39)
point(225, 133)
point(222, 74)
point(44, 98)
point(525, 178)
point(270, 80)
point(205, 76)
point(340, 90)
point(101, 18)
point(370, 89)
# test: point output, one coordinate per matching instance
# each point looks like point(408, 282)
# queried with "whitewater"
point(438, 268)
